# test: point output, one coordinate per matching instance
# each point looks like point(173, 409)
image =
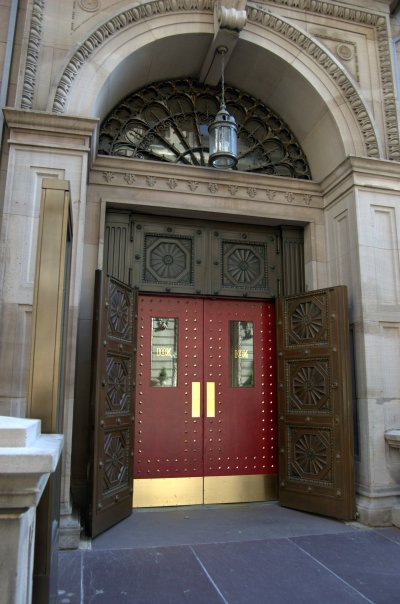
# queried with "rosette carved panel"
point(113, 388)
point(316, 468)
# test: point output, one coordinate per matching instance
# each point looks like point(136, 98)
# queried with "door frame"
point(291, 266)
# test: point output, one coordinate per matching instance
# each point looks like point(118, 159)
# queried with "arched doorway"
point(187, 370)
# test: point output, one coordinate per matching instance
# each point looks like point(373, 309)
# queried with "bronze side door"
point(316, 469)
point(112, 403)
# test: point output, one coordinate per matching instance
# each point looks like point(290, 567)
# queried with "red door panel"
point(206, 397)
point(168, 440)
point(239, 357)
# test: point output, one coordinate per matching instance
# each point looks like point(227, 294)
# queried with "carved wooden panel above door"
point(166, 255)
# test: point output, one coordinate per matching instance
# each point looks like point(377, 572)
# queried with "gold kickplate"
point(159, 492)
point(240, 489)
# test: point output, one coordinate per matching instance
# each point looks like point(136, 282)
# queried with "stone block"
point(396, 516)
point(13, 435)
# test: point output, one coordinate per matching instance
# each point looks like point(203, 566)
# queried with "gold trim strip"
point(240, 489)
point(210, 399)
point(195, 399)
point(157, 492)
point(45, 400)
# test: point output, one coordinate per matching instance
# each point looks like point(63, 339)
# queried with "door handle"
point(210, 399)
point(195, 399)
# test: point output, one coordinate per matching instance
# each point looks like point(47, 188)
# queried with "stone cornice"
point(326, 8)
point(49, 122)
point(179, 179)
point(392, 437)
point(367, 172)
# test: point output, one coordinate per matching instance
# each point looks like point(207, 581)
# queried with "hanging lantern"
point(223, 133)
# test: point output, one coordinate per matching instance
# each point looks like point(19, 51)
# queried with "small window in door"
point(242, 353)
point(164, 352)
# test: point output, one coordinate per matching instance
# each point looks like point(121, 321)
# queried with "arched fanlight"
point(223, 132)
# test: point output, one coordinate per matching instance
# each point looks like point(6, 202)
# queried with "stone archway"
point(146, 41)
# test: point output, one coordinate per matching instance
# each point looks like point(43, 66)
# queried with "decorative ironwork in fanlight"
point(169, 121)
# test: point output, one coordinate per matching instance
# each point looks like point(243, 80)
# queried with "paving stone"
point(364, 559)
point(213, 524)
point(272, 572)
point(150, 576)
point(69, 577)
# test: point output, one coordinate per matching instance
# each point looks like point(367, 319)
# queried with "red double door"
point(205, 410)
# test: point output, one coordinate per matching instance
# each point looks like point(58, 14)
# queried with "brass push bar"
point(196, 411)
point(210, 399)
point(195, 399)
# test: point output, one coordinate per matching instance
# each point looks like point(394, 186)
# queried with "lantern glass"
point(223, 140)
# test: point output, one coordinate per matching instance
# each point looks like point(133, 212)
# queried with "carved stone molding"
point(251, 192)
point(89, 6)
point(231, 14)
point(392, 438)
point(380, 24)
point(329, 9)
point(322, 58)
point(129, 178)
point(345, 50)
point(108, 176)
point(108, 29)
point(32, 57)
point(225, 189)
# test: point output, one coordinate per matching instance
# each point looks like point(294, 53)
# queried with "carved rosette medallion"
point(310, 457)
point(118, 316)
point(168, 259)
point(307, 323)
point(118, 388)
point(89, 5)
point(345, 51)
point(308, 386)
point(116, 452)
point(243, 265)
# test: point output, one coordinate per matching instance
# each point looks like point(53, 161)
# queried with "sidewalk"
point(233, 554)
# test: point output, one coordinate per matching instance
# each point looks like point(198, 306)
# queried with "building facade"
point(84, 91)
